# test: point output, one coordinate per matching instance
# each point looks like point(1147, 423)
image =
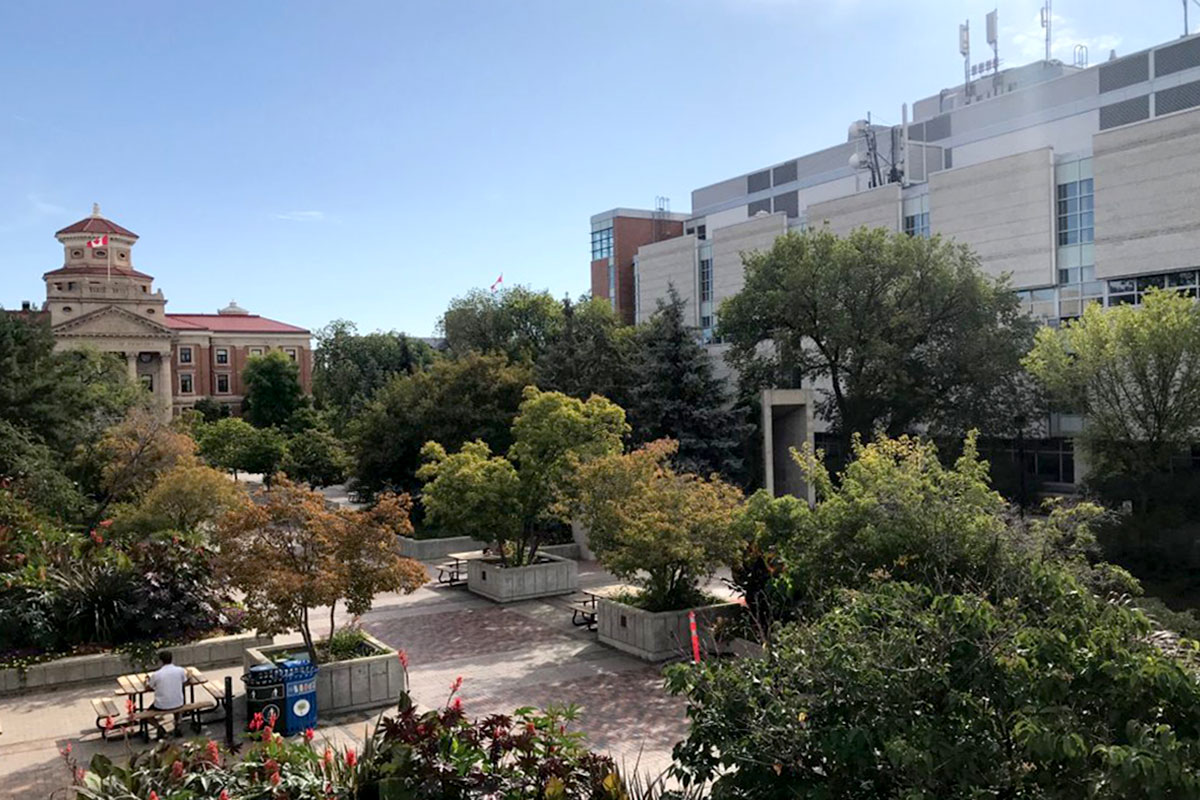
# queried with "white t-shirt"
point(168, 682)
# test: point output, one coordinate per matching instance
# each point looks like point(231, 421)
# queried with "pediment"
point(112, 321)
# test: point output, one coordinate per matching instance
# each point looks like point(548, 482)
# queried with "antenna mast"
point(1046, 22)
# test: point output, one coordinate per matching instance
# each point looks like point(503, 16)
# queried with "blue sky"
point(372, 160)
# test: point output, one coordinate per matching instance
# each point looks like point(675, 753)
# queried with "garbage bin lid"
point(261, 668)
point(296, 662)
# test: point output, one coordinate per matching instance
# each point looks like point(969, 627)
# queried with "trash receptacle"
point(264, 693)
point(300, 690)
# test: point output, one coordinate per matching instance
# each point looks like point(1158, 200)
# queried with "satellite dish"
point(858, 128)
point(856, 161)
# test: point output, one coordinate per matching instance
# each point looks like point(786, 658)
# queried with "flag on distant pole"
point(499, 281)
point(102, 241)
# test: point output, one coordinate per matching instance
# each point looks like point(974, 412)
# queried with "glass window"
point(917, 224)
point(222, 355)
point(1076, 220)
point(706, 280)
point(291, 353)
point(222, 383)
point(256, 351)
point(185, 383)
point(185, 355)
point(602, 243)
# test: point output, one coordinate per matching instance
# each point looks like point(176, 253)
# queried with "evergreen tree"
point(676, 395)
point(590, 355)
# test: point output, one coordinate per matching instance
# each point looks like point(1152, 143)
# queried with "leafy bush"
point(436, 755)
point(661, 529)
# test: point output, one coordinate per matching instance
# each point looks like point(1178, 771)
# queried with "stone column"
point(131, 365)
point(163, 388)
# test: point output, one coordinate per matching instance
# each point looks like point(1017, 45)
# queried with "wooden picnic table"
point(451, 572)
point(583, 612)
point(137, 685)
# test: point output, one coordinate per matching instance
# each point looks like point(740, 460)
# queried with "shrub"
point(658, 528)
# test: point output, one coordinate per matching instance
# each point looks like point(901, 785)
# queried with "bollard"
point(228, 711)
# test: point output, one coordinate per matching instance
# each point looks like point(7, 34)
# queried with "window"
point(222, 383)
point(291, 353)
point(706, 292)
point(702, 232)
point(67, 309)
point(602, 243)
point(222, 355)
point(917, 224)
point(145, 289)
point(1075, 196)
point(100, 253)
point(706, 279)
point(185, 383)
point(256, 351)
point(185, 355)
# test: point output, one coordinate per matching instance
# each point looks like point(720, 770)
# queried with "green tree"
point(895, 331)
point(187, 499)
point(233, 444)
point(676, 396)
point(454, 401)
point(316, 457)
point(349, 368)
point(1134, 374)
point(938, 646)
point(662, 529)
point(210, 410)
point(590, 355)
point(272, 389)
point(518, 322)
point(511, 501)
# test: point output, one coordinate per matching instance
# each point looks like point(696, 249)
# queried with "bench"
point(450, 572)
point(107, 708)
point(583, 613)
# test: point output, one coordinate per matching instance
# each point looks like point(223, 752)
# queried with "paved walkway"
point(522, 654)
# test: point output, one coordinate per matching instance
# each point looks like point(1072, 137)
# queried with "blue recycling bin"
point(300, 700)
point(264, 693)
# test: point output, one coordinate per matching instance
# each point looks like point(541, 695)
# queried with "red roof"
point(97, 225)
point(229, 323)
point(127, 273)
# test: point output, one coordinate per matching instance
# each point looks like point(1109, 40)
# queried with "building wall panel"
point(1004, 210)
point(874, 208)
point(1147, 217)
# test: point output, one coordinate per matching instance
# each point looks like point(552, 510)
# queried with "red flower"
point(104, 523)
point(351, 757)
point(97, 538)
point(267, 734)
point(403, 656)
point(454, 687)
point(308, 734)
point(275, 778)
point(129, 706)
point(224, 795)
point(66, 751)
point(79, 774)
point(213, 752)
point(328, 757)
point(153, 795)
point(457, 705)
point(177, 770)
point(108, 723)
point(257, 721)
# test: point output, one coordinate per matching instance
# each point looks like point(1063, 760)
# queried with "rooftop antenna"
point(1047, 18)
point(993, 38)
point(1186, 28)
point(1081, 56)
point(662, 209)
point(964, 47)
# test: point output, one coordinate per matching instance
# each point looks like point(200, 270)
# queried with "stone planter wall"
point(434, 549)
point(570, 551)
point(658, 635)
point(553, 576)
point(87, 669)
point(369, 682)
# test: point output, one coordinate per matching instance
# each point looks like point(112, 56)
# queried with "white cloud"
point(302, 216)
point(1029, 40)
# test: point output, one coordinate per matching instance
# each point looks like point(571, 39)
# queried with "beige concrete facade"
point(1004, 210)
point(873, 208)
point(1147, 184)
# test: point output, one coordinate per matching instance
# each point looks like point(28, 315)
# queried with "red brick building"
point(98, 299)
point(616, 237)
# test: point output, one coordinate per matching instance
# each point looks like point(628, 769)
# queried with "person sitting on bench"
point(167, 683)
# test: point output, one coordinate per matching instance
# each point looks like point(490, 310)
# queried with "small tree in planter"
point(290, 552)
point(511, 500)
point(658, 528)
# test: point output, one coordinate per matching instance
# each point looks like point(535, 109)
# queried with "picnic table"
point(454, 571)
point(583, 611)
point(114, 715)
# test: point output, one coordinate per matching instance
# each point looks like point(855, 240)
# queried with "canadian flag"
point(99, 241)
point(499, 281)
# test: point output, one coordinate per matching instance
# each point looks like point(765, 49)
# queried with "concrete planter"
point(555, 575)
point(372, 681)
point(433, 549)
point(570, 551)
point(658, 635)
point(102, 666)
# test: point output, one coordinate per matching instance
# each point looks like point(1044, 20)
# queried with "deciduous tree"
point(1134, 374)
point(518, 322)
point(511, 501)
point(316, 457)
point(290, 552)
point(662, 529)
point(272, 389)
point(590, 355)
point(894, 331)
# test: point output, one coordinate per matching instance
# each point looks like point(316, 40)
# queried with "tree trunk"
point(332, 608)
point(306, 632)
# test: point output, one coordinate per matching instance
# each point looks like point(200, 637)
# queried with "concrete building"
point(97, 299)
point(1077, 182)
